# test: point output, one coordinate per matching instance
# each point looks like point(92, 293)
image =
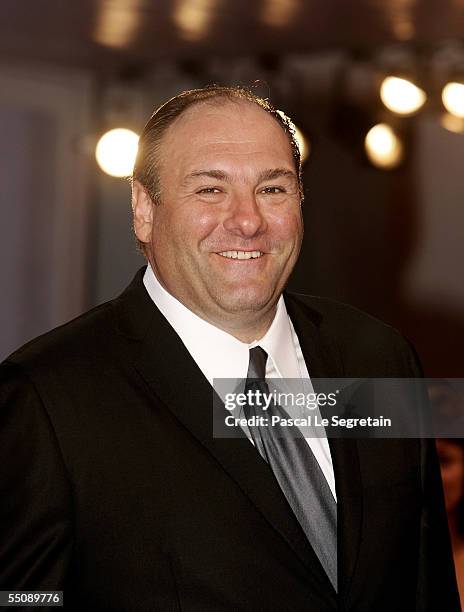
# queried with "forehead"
point(237, 129)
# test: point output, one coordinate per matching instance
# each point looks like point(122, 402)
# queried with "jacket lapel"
point(324, 361)
point(189, 396)
point(162, 360)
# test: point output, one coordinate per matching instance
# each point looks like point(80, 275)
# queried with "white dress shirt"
point(221, 355)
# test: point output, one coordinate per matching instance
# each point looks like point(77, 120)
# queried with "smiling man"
point(115, 489)
point(230, 231)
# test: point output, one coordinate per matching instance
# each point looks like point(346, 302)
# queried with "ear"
point(142, 208)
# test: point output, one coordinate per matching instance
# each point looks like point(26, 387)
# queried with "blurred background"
point(384, 207)
point(376, 88)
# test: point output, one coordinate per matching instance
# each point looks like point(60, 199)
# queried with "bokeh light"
point(383, 147)
point(453, 98)
point(401, 96)
point(116, 151)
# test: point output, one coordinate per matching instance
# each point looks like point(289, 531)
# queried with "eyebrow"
point(219, 175)
point(270, 175)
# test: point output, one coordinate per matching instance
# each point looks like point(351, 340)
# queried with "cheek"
point(287, 227)
point(203, 223)
point(194, 223)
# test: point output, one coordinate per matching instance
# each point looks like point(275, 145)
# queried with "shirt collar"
point(279, 345)
point(217, 353)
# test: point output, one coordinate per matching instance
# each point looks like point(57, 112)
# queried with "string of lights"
point(401, 81)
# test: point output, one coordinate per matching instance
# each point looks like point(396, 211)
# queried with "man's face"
point(228, 229)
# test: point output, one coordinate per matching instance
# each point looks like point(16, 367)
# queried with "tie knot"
point(257, 365)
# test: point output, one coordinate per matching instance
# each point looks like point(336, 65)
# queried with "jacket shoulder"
point(77, 339)
point(333, 311)
point(358, 336)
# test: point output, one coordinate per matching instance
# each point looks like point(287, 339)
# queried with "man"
point(114, 488)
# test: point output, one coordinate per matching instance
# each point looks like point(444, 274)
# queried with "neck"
point(246, 330)
point(246, 326)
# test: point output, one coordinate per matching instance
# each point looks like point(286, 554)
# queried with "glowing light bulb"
point(383, 147)
point(453, 98)
point(116, 151)
point(452, 123)
point(193, 18)
point(401, 96)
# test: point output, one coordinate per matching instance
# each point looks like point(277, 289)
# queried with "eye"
point(208, 190)
point(272, 190)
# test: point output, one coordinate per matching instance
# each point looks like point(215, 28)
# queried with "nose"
point(244, 217)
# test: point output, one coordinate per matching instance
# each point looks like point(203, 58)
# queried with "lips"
point(241, 254)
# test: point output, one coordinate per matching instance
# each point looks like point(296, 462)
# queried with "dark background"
point(389, 242)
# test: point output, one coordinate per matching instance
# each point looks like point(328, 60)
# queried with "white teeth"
point(241, 254)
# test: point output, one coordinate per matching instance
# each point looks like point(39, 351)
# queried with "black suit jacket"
point(114, 489)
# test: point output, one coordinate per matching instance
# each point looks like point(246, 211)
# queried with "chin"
point(245, 301)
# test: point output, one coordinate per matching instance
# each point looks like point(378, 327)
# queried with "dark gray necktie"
point(296, 470)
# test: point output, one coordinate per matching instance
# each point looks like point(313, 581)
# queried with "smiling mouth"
point(241, 254)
